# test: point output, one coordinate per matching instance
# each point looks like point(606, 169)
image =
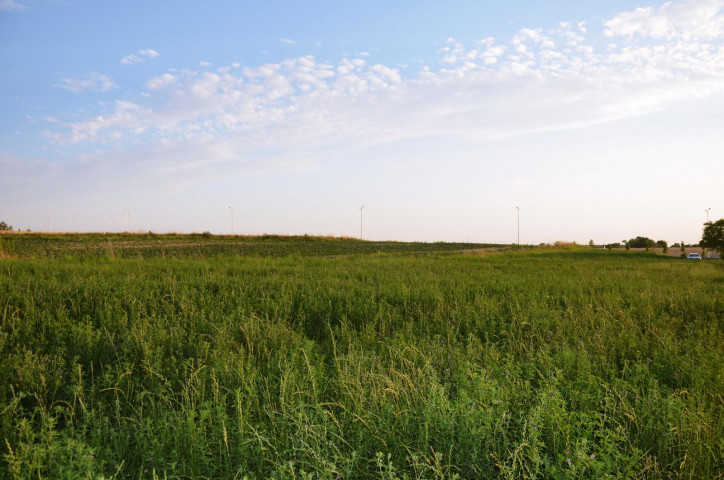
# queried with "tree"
point(713, 236)
point(5, 227)
point(662, 244)
point(642, 242)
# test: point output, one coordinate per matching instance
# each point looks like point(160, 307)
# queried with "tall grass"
point(573, 364)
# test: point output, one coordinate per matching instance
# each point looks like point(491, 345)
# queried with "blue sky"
point(599, 120)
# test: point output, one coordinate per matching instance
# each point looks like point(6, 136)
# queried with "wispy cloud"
point(113, 127)
point(686, 19)
point(12, 6)
point(288, 41)
point(160, 82)
point(539, 80)
point(148, 53)
point(90, 81)
point(141, 57)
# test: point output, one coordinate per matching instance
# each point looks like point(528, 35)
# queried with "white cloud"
point(491, 54)
point(537, 82)
point(160, 82)
point(203, 63)
point(124, 121)
point(90, 81)
point(148, 53)
point(12, 6)
point(131, 59)
point(288, 41)
point(141, 57)
point(686, 19)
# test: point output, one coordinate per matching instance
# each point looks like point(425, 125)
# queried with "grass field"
point(121, 245)
point(272, 357)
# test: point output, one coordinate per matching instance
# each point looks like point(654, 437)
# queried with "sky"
point(447, 120)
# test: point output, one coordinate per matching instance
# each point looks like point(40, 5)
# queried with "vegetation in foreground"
point(538, 364)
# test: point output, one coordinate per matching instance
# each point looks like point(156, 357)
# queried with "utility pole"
point(360, 221)
point(518, 225)
point(232, 219)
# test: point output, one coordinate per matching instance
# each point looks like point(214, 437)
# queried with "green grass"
point(32, 245)
point(530, 364)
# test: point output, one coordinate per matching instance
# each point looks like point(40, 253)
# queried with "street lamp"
point(48, 212)
point(360, 221)
point(232, 219)
point(518, 225)
point(129, 210)
point(708, 253)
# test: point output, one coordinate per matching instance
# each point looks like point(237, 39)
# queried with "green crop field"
point(205, 245)
point(271, 357)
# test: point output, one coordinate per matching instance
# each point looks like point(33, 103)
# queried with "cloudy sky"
point(600, 120)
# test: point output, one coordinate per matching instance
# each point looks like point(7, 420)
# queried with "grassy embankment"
point(538, 364)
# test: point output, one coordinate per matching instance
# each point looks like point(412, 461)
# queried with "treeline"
point(642, 242)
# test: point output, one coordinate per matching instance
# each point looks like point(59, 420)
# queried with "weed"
point(558, 363)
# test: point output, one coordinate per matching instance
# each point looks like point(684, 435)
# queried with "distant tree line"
point(712, 238)
point(641, 242)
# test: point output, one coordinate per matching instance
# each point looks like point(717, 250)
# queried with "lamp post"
point(518, 208)
point(48, 212)
point(232, 219)
point(708, 253)
point(360, 221)
point(129, 210)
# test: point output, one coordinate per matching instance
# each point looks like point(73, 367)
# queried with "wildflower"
point(592, 456)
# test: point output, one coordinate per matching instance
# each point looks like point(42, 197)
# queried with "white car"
point(693, 256)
